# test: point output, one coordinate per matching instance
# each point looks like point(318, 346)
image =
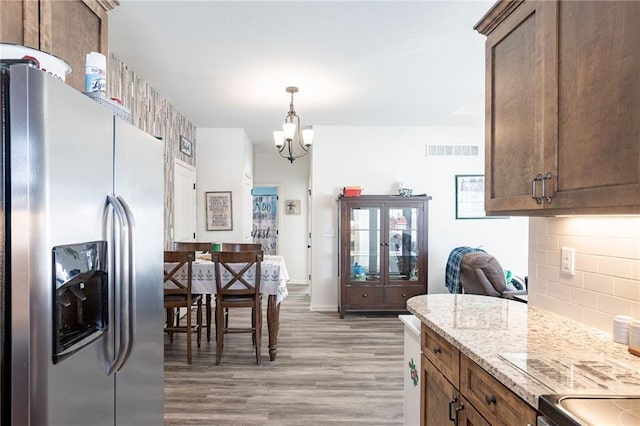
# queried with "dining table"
point(273, 283)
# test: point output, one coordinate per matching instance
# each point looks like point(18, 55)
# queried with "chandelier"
point(292, 142)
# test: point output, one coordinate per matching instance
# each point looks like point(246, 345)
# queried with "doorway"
point(184, 202)
point(265, 218)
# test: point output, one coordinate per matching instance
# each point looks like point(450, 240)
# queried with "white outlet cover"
point(568, 260)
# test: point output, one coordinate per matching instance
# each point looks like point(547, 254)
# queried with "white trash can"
point(411, 369)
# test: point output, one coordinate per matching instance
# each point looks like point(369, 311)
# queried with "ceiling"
point(370, 63)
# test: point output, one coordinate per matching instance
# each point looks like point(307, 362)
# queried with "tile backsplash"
point(607, 267)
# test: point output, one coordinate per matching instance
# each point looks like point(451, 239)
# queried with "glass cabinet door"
point(403, 243)
point(364, 243)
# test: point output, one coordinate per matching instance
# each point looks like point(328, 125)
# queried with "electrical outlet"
point(568, 260)
point(328, 233)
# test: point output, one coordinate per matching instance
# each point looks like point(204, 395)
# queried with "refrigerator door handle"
point(122, 296)
point(131, 282)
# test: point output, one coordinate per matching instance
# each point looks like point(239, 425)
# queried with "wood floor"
point(328, 371)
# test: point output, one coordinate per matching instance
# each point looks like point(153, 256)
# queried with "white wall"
point(607, 275)
point(377, 158)
point(291, 180)
point(225, 161)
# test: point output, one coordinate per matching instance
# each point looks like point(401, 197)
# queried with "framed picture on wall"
point(470, 197)
point(186, 147)
point(219, 213)
point(293, 206)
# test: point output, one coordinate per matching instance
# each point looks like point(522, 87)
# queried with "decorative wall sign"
point(293, 206)
point(218, 211)
point(470, 196)
point(186, 146)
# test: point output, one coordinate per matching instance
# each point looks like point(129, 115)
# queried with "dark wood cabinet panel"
point(598, 108)
point(442, 354)
point(561, 107)
point(68, 29)
point(383, 252)
point(440, 397)
point(492, 399)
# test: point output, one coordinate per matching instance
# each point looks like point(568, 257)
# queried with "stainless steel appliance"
point(589, 410)
point(81, 238)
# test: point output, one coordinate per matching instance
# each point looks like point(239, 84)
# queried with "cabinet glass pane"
point(365, 244)
point(403, 243)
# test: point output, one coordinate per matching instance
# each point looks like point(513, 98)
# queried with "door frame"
point(192, 170)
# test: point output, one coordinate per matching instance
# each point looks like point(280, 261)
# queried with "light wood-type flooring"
point(328, 371)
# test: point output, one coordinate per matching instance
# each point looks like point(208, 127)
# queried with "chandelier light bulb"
point(289, 130)
point(278, 138)
point(307, 136)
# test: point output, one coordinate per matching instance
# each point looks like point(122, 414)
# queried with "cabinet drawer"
point(363, 295)
point(442, 354)
point(398, 295)
point(469, 416)
point(491, 398)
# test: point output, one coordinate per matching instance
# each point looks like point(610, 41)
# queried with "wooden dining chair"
point(180, 296)
point(238, 286)
point(241, 246)
point(191, 246)
point(198, 246)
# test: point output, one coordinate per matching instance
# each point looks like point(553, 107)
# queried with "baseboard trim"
point(323, 308)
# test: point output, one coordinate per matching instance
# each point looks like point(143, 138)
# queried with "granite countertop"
point(506, 337)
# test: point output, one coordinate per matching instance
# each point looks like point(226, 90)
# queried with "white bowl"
point(46, 62)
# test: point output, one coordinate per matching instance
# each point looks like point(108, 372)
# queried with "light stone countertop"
point(483, 327)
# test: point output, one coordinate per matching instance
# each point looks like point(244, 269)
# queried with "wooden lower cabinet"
point(456, 391)
point(469, 416)
point(497, 403)
point(438, 396)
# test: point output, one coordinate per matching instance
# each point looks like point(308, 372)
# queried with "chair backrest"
point(237, 272)
point(191, 246)
point(241, 246)
point(481, 273)
point(180, 258)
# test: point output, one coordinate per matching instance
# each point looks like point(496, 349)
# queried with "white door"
point(184, 202)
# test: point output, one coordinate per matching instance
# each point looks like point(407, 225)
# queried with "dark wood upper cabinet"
point(562, 135)
point(68, 29)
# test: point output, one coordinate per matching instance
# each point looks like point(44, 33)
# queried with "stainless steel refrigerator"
point(81, 251)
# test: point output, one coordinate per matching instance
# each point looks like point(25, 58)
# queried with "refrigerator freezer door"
point(61, 171)
point(139, 182)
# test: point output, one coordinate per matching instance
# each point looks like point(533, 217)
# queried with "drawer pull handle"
point(404, 294)
point(437, 350)
point(453, 401)
point(364, 294)
point(490, 399)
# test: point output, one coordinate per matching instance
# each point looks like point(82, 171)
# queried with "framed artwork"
point(470, 197)
point(293, 206)
point(218, 212)
point(186, 146)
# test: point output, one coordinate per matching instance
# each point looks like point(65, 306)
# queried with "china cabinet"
point(561, 134)
point(383, 251)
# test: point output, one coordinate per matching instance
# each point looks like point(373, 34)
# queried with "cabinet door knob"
point(490, 399)
point(437, 350)
point(364, 294)
point(404, 294)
